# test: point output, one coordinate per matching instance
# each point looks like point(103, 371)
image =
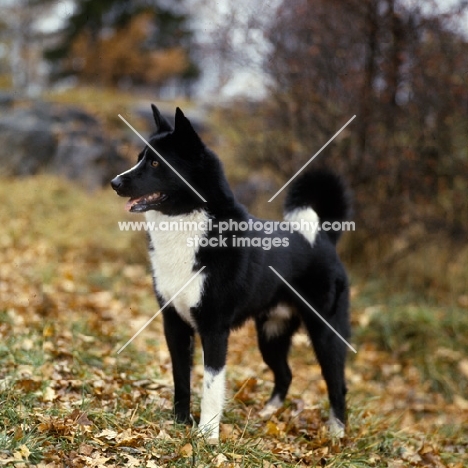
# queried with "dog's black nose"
point(116, 182)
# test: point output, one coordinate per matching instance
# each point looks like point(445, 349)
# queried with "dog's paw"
point(209, 432)
point(335, 427)
point(212, 440)
point(270, 408)
point(186, 419)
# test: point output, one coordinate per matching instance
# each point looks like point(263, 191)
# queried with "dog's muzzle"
point(116, 183)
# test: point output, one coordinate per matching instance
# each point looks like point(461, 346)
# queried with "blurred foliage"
point(430, 263)
point(21, 42)
point(402, 69)
point(122, 42)
point(112, 61)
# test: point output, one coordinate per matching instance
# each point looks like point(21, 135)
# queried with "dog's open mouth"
point(145, 203)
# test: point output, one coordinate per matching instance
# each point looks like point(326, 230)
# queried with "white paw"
point(271, 408)
point(212, 440)
point(335, 427)
point(209, 432)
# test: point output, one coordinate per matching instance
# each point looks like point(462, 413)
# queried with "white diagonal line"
point(311, 308)
point(312, 158)
point(155, 151)
point(161, 309)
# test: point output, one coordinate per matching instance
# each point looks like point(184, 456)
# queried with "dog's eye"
point(154, 163)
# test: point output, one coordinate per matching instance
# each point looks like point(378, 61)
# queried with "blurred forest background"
point(280, 80)
point(267, 83)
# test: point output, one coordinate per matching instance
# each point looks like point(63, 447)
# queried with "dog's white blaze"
point(277, 320)
point(132, 168)
point(212, 402)
point(173, 260)
point(305, 215)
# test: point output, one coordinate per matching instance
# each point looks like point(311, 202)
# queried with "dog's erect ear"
point(183, 129)
point(162, 125)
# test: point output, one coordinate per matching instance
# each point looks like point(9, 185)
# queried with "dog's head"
point(168, 172)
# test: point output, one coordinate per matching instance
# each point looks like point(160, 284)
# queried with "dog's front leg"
point(180, 338)
point(214, 360)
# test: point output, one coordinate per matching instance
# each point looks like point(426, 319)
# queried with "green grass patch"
point(434, 339)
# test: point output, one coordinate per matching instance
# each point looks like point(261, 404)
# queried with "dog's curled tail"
point(324, 192)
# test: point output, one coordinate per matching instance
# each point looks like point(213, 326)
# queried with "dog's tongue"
point(147, 198)
point(131, 202)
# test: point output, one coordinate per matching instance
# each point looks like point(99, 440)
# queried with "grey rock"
point(7, 99)
point(26, 145)
point(87, 159)
point(57, 139)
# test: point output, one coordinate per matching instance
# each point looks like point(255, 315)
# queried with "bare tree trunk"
point(393, 73)
point(18, 67)
point(366, 105)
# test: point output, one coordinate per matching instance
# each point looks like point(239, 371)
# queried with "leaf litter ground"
point(74, 289)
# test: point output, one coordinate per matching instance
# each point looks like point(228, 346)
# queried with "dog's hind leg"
point(180, 341)
point(274, 332)
point(331, 355)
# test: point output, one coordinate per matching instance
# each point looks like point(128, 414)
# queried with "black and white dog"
point(237, 282)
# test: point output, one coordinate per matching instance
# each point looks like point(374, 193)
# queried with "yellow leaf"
point(460, 402)
point(48, 331)
point(186, 450)
point(22, 453)
point(86, 449)
point(163, 435)
point(108, 434)
point(227, 431)
point(463, 366)
point(219, 459)
point(271, 428)
point(131, 461)
point(49, 394)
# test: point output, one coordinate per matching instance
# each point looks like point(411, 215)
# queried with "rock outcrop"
point(57, 139)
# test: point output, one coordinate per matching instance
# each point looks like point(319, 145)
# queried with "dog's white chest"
point(173, 257)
